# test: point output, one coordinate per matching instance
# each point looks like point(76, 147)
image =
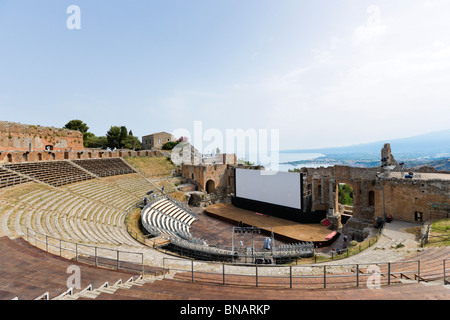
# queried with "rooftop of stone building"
point(419, 176)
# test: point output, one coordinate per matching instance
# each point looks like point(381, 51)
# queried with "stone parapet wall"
point(15, 156)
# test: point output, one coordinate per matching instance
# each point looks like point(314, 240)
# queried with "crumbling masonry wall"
point(376, 194)
point(22, 137)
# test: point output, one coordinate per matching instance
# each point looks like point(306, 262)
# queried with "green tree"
point(114, 137)
point(131, 142)
point(96, 142)
point(79, 126)
point(169, 145)
point(123, 134)
point(345, 195)
point(120, 138)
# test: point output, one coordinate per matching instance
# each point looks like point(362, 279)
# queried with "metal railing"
point(371, 275)
point(94, 255)
point(349, 251)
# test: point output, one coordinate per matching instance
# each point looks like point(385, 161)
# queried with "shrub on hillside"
point(169, 145)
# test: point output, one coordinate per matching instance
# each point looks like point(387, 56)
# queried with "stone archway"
point(210, 186)
point(345, 194)
point(345, 200)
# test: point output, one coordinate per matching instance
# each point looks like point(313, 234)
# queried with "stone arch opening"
point(346, 201)
point(39, 156)
point(210, 186)
point(345, 194)
point(10, 158)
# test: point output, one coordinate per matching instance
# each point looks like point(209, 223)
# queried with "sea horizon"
point(286, 157)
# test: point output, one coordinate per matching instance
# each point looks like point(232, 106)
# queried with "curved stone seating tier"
point(173, 210)
point(135, 184)
point(162, 217)
point(55, 173)
point(105, 167)
point(101, 191)
point(90, 212)
point(156, 219)
point(9, 178)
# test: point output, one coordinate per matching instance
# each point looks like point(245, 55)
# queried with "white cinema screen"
point(281, 188)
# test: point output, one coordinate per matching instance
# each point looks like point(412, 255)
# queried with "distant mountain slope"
point(434, 144)
point(441, 165)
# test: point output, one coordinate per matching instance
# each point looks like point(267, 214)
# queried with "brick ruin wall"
point(22, 137)
point(414, 200)
point(220, 174)
point(411, 200)
point(22, 143)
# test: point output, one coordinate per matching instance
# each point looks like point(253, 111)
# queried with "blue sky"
point(323, 72)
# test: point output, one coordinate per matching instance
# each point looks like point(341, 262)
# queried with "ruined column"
point(387, 159)
point(331, 200)
point(313, 190)
point(322, 191)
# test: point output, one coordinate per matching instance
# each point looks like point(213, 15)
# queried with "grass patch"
point(442, 224)
point(134, 225)
point(180, 196)
point(439, 233)
point(151, 166)
point(14, 193)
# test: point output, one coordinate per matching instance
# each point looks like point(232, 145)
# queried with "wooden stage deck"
point(287, 230)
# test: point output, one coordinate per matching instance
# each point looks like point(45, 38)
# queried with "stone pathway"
point(385, 250)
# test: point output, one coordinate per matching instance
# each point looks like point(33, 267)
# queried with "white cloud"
point(387, 78)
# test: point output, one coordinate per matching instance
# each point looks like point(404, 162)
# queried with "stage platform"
point(283, 229)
